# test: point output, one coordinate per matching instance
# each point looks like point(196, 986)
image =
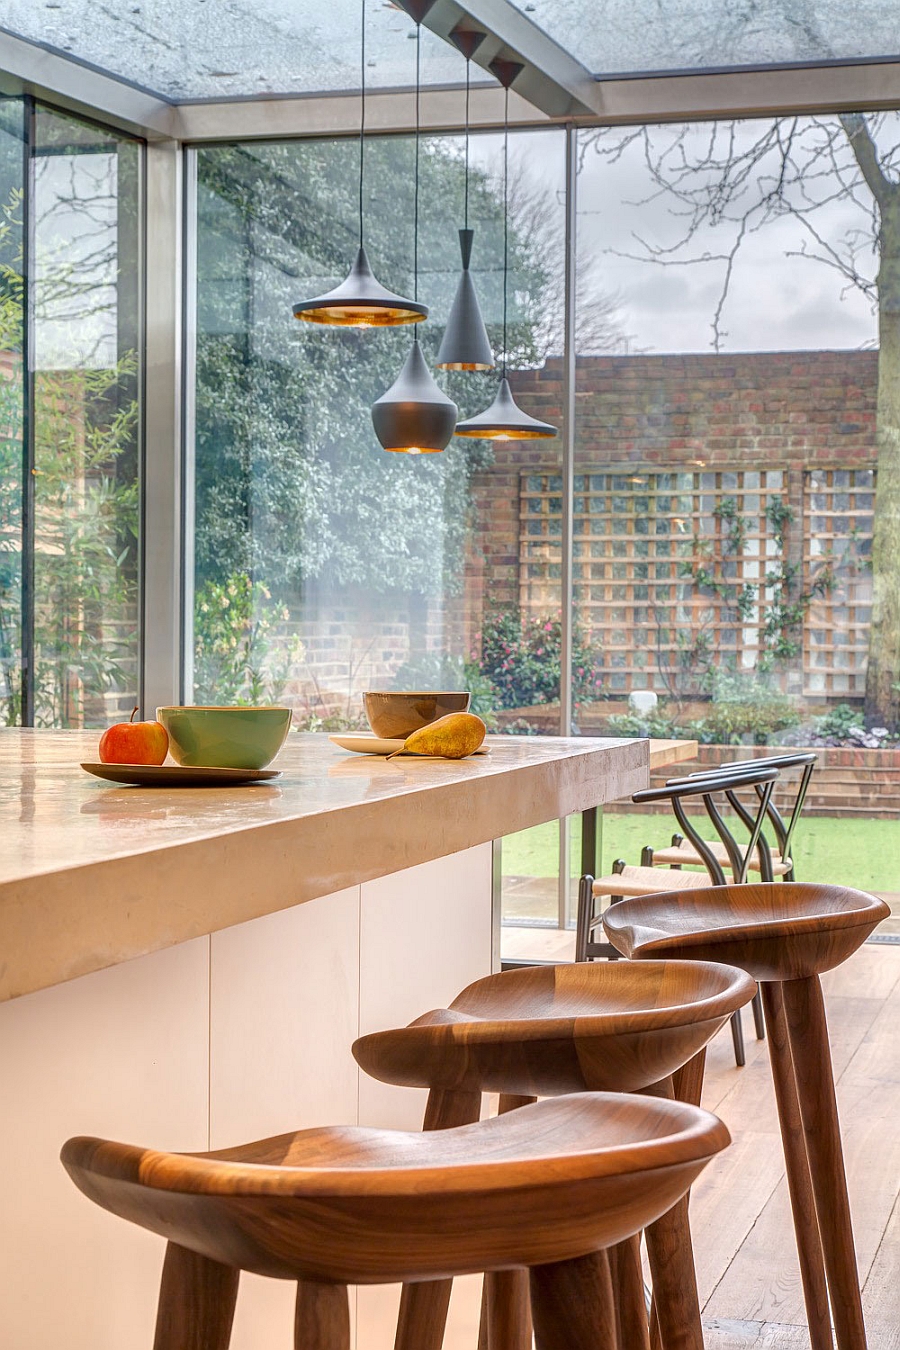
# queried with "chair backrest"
point(708, 787)
point(795, 759)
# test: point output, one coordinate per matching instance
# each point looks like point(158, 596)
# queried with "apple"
point(134, 743)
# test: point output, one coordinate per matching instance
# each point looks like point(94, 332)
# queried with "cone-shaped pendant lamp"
point(360, 301)
point(465, 344)
point(504, 420)
point(415, 416)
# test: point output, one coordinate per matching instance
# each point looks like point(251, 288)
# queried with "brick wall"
point(754, 410)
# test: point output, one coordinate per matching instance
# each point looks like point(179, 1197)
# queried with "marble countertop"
point(92, 874)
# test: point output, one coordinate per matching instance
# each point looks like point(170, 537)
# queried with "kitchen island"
point(188, 968)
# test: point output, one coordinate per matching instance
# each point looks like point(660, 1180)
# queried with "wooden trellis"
point(837, 530)
point(634, 533)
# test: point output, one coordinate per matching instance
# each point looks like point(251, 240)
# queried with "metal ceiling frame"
point(553, 87)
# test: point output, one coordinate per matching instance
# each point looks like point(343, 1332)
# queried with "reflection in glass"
point(12, 129)
point(85, 280)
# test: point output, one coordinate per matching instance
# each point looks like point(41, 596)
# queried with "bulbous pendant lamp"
point(465, 344)
point(360, 301)
point(415, 416)
point(504, 420)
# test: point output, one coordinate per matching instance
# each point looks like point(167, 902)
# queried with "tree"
point(742, 176)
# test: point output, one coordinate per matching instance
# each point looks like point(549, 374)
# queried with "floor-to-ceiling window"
point(70, 435)
point(728, 434)
point(323, 565)
point(12, 313)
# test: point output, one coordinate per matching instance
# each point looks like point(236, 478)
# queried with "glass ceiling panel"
point(614, 37)
point(210, 49)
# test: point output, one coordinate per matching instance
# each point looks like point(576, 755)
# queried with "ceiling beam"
point(552, 78)
point(338, 114)
point(864, 86)
point(28, 68)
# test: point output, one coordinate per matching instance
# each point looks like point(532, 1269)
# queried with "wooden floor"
point(746, 1261)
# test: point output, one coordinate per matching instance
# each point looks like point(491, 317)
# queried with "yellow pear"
point(450, 737)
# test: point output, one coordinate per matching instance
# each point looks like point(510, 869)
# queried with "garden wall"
point(846, 782)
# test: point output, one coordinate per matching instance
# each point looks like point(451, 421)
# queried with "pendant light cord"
point(466, 213)
point(362, 112)
point(505, 219)
point(416, 194)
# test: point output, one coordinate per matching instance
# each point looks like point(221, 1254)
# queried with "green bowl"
point(225, 738)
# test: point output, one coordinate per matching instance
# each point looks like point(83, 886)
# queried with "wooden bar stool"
point(626, 881)
point(545, 1188)
point(545, 1030)
point(785, 936)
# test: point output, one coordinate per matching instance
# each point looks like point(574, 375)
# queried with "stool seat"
point(633, 880)
point(791, 931)
point(685, 855)
point(546, 1030)
point(547, 1183)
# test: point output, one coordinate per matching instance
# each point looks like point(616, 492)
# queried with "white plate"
point(377, 745)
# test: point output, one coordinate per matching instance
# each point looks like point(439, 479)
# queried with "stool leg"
point(572, 1305)
point(505, 1305)
point(805, 1011)
point(628, 1288)
point(806, 1227)
point(676, 1307)
point(423, 1307)
point(321, 1317)
point(675, 1300)
point(737, 1036)
point(196, 1302)
point(687, 1082)
point(759, 1020)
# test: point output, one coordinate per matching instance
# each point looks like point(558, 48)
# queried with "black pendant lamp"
point(415, 416)
point(504, 420)
point(360, 301)
point(465, 344)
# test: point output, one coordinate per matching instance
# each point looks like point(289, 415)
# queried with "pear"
point(450, 737)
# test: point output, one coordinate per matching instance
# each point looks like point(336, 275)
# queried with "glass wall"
point(323, 565)
point(733, 394)
point(727, 448)
point(70, 258)
point(12, 140)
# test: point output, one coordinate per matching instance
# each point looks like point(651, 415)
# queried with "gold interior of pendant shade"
point(353, 316)
point(505, 434)
point(463, 365)
point(412, 449)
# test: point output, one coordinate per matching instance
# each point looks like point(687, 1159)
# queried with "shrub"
point(235, 659)
point(744, 706)
point(839, 722)
point(523, 660)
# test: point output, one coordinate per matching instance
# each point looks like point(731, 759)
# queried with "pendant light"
point(504, 420)
point(360, 301)
point(465, 344)
point(415, 416)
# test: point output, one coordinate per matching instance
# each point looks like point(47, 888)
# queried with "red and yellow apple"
point(134, 743)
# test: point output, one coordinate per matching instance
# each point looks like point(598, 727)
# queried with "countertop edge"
point(57, 926)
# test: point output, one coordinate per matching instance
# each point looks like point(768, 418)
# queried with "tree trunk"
point(883, 673)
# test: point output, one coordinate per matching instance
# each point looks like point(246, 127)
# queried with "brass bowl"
point(396, 716)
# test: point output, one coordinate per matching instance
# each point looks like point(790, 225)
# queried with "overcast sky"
point(776, 301)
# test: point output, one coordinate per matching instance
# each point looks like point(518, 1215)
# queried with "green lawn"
point(861, 853)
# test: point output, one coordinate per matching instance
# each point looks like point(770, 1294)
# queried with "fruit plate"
point(378, 745)
point(173, 775)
